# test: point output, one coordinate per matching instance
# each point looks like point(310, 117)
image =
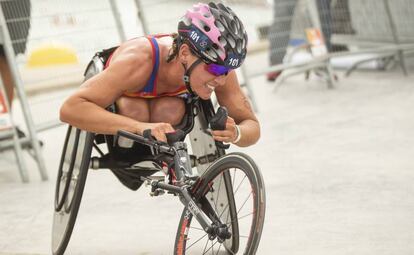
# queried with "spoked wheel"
point(234, 189)
point(70, 182)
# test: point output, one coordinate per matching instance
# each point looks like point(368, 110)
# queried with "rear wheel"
point(73, 169)
point(233, 187)
point(70, 183)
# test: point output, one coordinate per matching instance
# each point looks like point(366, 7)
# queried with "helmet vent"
point(211, 52)
point(239, 46)
point(222, 41)
point(231, 41)
point(187, 21)
point(204, 26)
point(219, 25)
point(220, 52)
point(223, 19)
point(238, 23)
point(234, 27)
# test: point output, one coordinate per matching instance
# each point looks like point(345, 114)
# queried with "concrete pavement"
point(338, 166)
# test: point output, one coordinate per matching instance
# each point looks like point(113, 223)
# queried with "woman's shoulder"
point(135, 50)
point(131, 63)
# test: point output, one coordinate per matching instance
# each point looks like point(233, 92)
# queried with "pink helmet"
point(215, 34)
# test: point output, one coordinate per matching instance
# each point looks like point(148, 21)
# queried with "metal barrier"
point(372, 29)
point(380, 23)
point(50, 30)
point(19, 12)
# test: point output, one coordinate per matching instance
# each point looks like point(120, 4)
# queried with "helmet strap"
point(186, 76)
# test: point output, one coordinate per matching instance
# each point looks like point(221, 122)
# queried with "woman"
point(148, 76)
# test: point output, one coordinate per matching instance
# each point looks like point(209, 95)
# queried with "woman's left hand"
point(229, 134)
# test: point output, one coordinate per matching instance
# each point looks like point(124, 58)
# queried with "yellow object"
point(51, 56)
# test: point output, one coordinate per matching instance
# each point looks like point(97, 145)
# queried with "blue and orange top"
point(150, 89)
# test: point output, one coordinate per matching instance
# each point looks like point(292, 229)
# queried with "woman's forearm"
point(250, 133)
point(91, 117)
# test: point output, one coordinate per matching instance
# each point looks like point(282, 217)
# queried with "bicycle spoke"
point(198, 240)
point(234, 180)
point(210, 247)
point(197, 228)
point(205, 247)
point(234, 193)
point(239, 218)
point(240, 184)
point(218, 192)
point(244, 216)
point(225, 209)
point(244, 203)
point(219, 249)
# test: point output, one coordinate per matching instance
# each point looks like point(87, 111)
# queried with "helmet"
point(215, 34)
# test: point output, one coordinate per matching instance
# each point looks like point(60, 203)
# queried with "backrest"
point(98, 62)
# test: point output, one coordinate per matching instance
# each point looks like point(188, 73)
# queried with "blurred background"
point(331, 82)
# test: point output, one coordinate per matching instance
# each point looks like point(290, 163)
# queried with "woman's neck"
point(170, 75)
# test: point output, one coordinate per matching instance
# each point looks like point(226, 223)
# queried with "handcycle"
point(223, 198)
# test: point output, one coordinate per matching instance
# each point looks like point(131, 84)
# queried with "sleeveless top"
point(150, 89)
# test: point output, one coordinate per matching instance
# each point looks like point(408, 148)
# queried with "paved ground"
point(337, 163)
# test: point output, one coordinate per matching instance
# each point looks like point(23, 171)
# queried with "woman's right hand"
point(158, 130)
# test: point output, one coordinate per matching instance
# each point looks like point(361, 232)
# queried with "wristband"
point(238, 137)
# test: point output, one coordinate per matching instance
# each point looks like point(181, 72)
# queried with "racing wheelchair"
point(223, 194)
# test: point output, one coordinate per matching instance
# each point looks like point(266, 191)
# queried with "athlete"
point(148, 77)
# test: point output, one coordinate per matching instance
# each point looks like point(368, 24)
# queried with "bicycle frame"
point(185, 180)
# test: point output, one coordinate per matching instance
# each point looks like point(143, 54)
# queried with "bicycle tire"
point(60, 196)
point(225, 166)
point(67, 202)
point(64, 219)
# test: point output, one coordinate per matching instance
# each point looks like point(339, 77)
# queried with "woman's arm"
point(241, 113)
point(129, 69)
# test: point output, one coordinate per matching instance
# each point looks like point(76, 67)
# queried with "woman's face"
point(203, 82)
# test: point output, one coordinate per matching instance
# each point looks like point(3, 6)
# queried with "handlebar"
point(218, 122)
point(158, 145)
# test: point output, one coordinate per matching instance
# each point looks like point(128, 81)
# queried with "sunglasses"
point(217, 70)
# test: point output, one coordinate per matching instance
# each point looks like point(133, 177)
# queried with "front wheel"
point(233, 187)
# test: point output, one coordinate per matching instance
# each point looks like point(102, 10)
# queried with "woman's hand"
point(158, 130)
point(228, 135)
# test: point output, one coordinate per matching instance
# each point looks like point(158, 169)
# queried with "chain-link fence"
point(364, 31)
point(378, 24)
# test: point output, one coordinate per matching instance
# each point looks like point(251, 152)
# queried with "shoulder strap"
point(151, 86)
